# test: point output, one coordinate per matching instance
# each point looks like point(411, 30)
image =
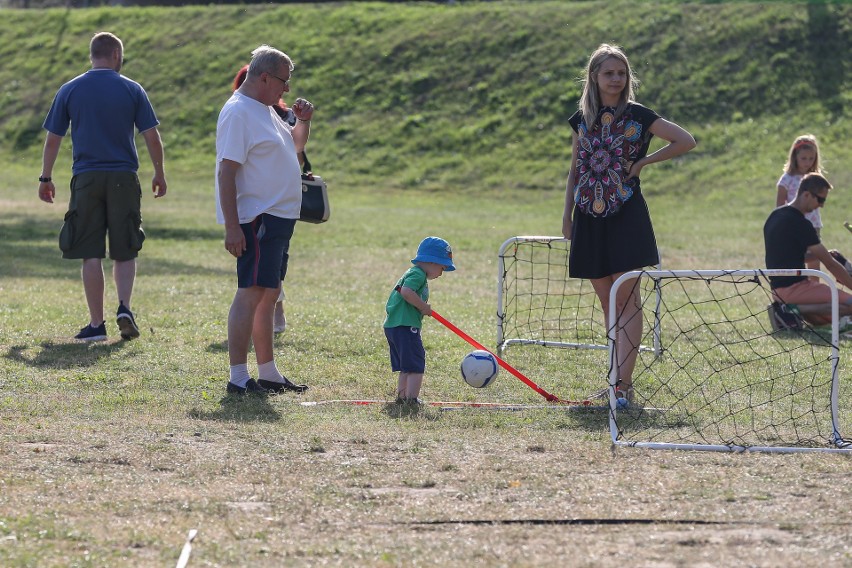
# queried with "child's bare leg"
point(402, 385)
point(412, 388)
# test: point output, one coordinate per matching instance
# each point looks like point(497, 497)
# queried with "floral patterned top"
point(605, 155)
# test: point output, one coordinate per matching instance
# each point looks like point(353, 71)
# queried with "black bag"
point(315, 208)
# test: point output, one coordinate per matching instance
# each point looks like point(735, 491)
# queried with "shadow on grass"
point(218, 347)
point(239, 408)
point(407, 410)
point(31, 250)
point(589, 418)
point(65, 355)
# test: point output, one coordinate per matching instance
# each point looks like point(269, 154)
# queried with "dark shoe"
point(126, 323)
point(785, 316)
point(251, 388)
point(275, 387)
point(90, 333)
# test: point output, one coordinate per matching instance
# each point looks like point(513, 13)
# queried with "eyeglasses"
point(820, 200)
point(286, 83)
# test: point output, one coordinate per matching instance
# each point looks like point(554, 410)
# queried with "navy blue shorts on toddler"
point(407, 354)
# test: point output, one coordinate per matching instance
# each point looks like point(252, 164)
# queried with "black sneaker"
point(276, 387)
point(126, 323)
point(251, 388)
point(90, 333)
point(783, 316)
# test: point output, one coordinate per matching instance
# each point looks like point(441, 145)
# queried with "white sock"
point(240, 375)
point(269, 372)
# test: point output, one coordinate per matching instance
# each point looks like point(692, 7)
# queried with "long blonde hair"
point(590, 101)
point(803, 142)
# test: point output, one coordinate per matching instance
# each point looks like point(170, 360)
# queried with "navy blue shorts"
point(406, 349)
point(264, 262)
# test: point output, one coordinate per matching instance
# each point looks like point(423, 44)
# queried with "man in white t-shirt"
point(258, 198)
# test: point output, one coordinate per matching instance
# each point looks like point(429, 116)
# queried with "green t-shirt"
point(401, 313)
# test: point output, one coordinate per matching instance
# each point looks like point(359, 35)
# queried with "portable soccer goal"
point(712, 371)
point(538, 304)
point(727, 378)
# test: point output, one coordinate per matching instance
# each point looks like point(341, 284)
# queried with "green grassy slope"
point(441, 96)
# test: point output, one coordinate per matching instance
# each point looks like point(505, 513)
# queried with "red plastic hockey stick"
point(505, 365)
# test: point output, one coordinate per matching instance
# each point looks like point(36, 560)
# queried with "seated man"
point(788, 236)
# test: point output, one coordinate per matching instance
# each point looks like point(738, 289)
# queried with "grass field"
point(111, 453)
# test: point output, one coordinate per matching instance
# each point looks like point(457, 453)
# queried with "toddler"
point(406, 306)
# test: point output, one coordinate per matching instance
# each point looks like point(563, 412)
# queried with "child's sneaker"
point(90, 333)
point(126, 322)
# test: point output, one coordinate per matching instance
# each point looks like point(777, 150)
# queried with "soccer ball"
point(479, 368)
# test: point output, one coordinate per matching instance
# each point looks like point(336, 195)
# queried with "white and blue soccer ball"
point(479, 368)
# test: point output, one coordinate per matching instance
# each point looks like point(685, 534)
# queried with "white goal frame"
point(835, 443)
point(504, 342)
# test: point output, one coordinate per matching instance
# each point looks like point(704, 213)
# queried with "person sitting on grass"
point(405, 308)
point(788, 238)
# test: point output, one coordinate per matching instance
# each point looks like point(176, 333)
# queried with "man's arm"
point(304, 112)
point(235, 240)
point(155, 150)
point(46, 189)
point(301, 133)
point(838, 270)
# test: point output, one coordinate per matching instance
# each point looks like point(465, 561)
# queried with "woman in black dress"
point(605, 215)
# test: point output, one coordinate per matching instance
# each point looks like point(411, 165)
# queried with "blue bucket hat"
point(437, 250)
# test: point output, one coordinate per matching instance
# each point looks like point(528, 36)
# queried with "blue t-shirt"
point(102, 108)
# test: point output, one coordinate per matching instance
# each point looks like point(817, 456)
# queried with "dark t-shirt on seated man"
point(787, 235)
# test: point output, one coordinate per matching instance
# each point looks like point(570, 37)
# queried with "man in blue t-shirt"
point(104, 109)
point(788, 236)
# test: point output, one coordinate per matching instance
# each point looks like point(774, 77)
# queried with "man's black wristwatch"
point(43, 179)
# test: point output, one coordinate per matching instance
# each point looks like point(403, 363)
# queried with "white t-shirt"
point(250, 133)
point(791, 184)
